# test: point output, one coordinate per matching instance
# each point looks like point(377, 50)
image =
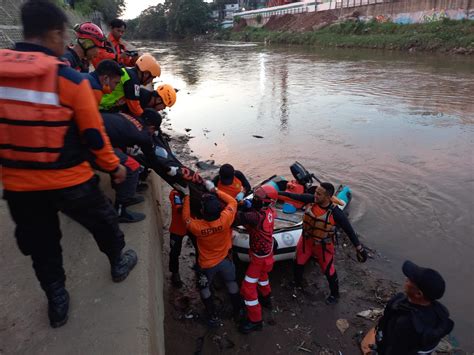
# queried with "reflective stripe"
point(251, 303)
point(428, 351)
point(251, 279)
point(32, 96)
point(264, 283)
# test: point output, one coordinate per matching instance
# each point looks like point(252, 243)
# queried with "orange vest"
point(33, 124)
point(319, 224)
point(177, 225)
point(233, 189)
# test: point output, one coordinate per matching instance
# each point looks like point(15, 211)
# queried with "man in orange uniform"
point(117, 50)
point(259, 221)
point(48, 119)
point(177, 231)
point(104, 79)
point(317, 240)
point(214, 240)
point(232, 182)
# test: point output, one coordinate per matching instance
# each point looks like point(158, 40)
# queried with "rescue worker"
point(413, 322)
point(127, 92)
point(49, 117)
point(317, 240)
point(177, 231)
point(214, 241)
point(164, 96)
point(232, 182)
point(116, 48)
point(104, 79)
point(259, 221)
point(89, 40)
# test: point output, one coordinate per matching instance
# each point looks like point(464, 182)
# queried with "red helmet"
point(88, 30)
point(266, 193)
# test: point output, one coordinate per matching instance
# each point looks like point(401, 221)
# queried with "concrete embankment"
point(104, 318)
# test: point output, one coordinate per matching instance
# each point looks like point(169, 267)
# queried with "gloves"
point(362, 255)
point(184, 190)
point(239, 197)
point(209, 185)
point(173, 171)
point(247, 203)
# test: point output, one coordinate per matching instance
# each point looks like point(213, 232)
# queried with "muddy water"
point(397, 128)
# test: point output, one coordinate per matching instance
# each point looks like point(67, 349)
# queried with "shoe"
point(176, 280)
point(133, 201)
point(266, 301)
point(248, 326)
point(142, 187)
point(126, 216)
point(121, 267)
point(58, 304)
point(332, 300)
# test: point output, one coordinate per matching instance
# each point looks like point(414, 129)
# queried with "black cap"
point(211, 207)
point(151, 118)
point(226, 174)
point(429, 281)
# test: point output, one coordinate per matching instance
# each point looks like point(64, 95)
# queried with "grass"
point(444, 35)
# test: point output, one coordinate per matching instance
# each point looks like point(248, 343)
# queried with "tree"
point(188, 17)
point(110, 9)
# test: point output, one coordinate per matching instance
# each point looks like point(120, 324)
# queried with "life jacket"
point(319, 224)
point(295, 188)
point(33, 123)
point(177, 225)
point(233, 189)
point(113, 99)
point(261, 236)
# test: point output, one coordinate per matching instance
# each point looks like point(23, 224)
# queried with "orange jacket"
point(233, 189)
point(214, 238)
point(177, 225)
point(48, 116)
point(118, 48)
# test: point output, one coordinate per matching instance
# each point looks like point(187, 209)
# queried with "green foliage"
point(110, 9)
point(237, 19)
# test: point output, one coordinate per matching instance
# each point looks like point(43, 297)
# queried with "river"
point(397, 127)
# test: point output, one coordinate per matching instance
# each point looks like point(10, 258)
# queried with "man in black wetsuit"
point(317, 240)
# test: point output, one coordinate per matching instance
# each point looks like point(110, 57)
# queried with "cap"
point(211, 207)
point(226, 174)
point(429, 281)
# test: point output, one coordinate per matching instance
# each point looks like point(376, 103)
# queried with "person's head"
point(109, 73)
point(90, 39)
point(148, 68)
point(210, 207)
point(323, 193)
point(264, 196)
point(151, 119)
point(226, 174)
point(423, 285)
point(45, 24)
point(164, 96)
point(117, 28)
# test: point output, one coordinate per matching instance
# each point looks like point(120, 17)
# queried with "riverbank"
point(440, 36)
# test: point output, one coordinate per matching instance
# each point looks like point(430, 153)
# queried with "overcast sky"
point(135, 7)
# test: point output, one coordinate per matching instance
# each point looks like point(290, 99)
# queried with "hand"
point(239, 197)
point(361, 254)
point(173, 171)
point(210, 186)
point(183, 189)
point(120, 175)
point(247, 203)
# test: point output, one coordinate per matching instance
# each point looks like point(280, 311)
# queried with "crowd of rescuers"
point(50, 116)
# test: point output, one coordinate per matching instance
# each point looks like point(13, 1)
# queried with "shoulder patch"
point(137, 90)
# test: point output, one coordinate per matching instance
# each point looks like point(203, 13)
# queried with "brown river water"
point(398, 128)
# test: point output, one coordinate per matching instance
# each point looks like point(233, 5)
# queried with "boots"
point(298, 271)
point(176, 280)
point(248, 326)
point(122, 265)
point(126, 216)
point(266, 301)
point(213, 320)
point(334, 288)
point(58, 303)
point(237, 309)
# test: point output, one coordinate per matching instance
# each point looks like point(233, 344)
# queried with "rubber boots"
point(213, 320)
point(58, 303)
point(333, 298)
point(122, 265)
point(266, 301)
point(237, 310)
point(134, 200)
point(248, 326)
point(126, 216)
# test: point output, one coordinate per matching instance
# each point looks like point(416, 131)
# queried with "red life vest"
point(233, 189)
point(261, 236)
point(33, 124)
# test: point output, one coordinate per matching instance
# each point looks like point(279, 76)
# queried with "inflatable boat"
point(288, 223)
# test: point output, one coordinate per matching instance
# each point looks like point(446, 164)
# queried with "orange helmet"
point(88, 30)
point(167, 94)
point(147, 62)
point(266, 194)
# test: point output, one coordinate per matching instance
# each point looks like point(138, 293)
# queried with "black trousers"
point(176, 243)
point(38, 232)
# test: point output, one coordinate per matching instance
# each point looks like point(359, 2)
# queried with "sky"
point(135, 7)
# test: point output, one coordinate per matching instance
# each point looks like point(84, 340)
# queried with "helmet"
point(88, 30)
point(266, 194)
point(167, 94)
point(148, 63)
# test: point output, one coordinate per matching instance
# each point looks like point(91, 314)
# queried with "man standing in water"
point(317, 240)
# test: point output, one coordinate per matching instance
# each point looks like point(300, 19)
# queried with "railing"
point(338, 4)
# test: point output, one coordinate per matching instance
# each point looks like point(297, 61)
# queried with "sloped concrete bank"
point(105, 318)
